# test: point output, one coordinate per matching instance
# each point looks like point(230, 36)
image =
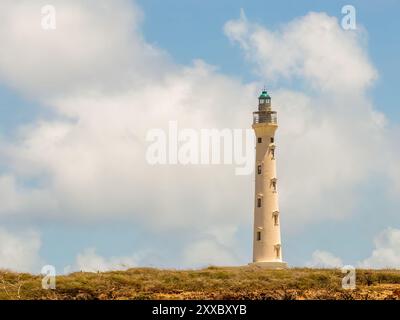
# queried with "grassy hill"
point(209, 283)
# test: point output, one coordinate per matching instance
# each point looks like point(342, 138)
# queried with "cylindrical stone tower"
point(267, 251)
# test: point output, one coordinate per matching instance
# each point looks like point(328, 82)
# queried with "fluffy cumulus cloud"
point(215, 247)
point(89, 161)
point(324, 259)
point(19, 250)
point(96, 46)
point(90, 261)
point(386, 254)
point(387, 251)
point(312, 48)
point(106, 86)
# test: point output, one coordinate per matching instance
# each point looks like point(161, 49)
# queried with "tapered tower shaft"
point(267, 250)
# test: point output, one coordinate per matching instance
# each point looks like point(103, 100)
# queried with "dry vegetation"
point(210, 283)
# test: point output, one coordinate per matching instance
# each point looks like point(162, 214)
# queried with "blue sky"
point(207, 41)
point(185, 31)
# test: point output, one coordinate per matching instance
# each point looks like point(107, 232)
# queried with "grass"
point(210, 283)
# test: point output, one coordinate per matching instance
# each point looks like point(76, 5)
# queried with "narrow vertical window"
point(276, 218)
point(259, 140)
point(258, 235)
point(278, 251)
point(273, 184)
point(273, 153)
point(272, 139)
point(259, 202)
point(259, 169)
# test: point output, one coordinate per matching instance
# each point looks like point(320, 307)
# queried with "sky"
point(77, 102)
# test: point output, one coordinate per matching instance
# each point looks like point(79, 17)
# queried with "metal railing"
point(265, 117)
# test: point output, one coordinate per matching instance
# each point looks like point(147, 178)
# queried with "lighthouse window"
point(258, 235)
point(274, 185)
point(273, 153)
point(259, 140)
point(278, 251)
point(276, 220)
point(272, 139)
point(259, 169)
point(259, 202)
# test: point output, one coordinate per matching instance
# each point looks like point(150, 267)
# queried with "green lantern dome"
point(264, 94)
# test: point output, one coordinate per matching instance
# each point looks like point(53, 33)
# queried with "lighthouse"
point(267, 249)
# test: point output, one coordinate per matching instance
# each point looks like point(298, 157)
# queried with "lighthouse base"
point(269, 264)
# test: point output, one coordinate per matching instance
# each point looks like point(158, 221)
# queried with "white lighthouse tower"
point(267, 250)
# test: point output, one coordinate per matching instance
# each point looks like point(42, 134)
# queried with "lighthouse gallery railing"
point(265, 117)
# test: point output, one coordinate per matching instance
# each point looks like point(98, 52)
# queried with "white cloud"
point(90, 161)
point(19, 251)
point(313, 47)
point(90, 261)
point(213, 247)
point(15, 198)
point(205, 253)
point(96, 46)
point(324, 259)
point(216, 247)
point(387, 251)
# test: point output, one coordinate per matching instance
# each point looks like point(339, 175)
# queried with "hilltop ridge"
point(209, 283)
